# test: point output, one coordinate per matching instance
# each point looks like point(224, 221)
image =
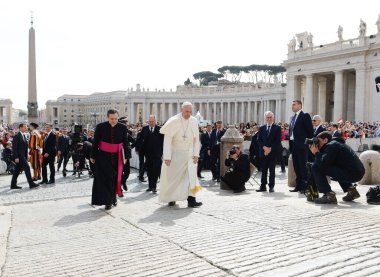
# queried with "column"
point(322, 97)
point(235, 114)
point(290, 94)
point(214, 116)
point(338, 96)
point(308, 105)
point(201, 109)
point(208, 108)
point(171, 110)
point(221, 117)
point(360, 95)
point(229, 112)
point(249, 111)
point(280, 118)
point(255, 111)
point(130, 111)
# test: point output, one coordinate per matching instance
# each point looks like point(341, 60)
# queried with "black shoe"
point(262, 188)
point(200, 176)
point(295, 190)
point(51, 182)
point(283, 171)
point(218, 180)
point(154, 191)
point(121, 195)
point(74, 173)
point(271, 189)
point(43, 182)
point(171, 204)
point(125, 188)
point(58, 169)
point(16, 187)
point(194, 204)
point(214, 179)
point(142, 179)
point(33, 185)
point(114, 204)
point(239, 190)
point(108, 207)
point(149, 189)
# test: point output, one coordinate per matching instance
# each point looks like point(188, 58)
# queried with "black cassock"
point(106, 164)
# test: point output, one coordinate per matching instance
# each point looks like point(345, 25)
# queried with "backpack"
point(373, 195)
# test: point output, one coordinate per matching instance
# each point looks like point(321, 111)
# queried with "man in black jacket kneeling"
point(239, 169)
point(340, 162)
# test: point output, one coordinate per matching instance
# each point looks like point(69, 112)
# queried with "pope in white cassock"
point(178, 179)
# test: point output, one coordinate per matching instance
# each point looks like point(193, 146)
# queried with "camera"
point(232, 152)
point(311, 141)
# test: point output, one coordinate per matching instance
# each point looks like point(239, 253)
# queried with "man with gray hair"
point(269, 141)
point(317, 125)
point(178, 179)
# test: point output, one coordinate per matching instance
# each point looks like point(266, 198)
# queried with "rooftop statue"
point(340, 32)
point(362, 28)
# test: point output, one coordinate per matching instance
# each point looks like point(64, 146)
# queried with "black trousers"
point(344, 177)
point(63, 158)
point(215, 161)
point(153, 168)
point(22, 165)
point(268, 163)
point(204, 160)
point(299, 157)
point(142, 168)
point(45, 162)
point(234, 180)
point(126, 172)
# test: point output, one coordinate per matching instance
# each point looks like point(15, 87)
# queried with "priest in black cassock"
point(107, 155)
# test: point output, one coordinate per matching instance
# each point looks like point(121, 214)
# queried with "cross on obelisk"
point(32, 86)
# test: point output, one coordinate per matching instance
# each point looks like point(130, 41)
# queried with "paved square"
point(54, 231)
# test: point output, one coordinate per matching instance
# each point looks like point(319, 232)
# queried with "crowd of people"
point(42, 147)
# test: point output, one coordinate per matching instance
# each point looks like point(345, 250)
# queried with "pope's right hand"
point(92, 160)
point(167, 162)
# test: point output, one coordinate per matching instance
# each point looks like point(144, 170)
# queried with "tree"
point(187, 82)
point(204, 77)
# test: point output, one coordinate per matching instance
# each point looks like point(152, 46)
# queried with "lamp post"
point(94, 114)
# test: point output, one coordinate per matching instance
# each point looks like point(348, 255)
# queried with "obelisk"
point(32, 86)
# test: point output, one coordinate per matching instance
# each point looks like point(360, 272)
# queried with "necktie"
point(151, 129)
point(268, 129)
point(292, 125)
point(315, 130)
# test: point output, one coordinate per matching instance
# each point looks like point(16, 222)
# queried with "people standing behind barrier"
point(63, 147)
point(204, 156)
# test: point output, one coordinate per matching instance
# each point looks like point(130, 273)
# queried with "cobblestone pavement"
point(54, 231)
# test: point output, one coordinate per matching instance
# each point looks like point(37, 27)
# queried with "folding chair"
point(254, 173)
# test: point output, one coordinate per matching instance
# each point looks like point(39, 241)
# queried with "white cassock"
point(181, 144)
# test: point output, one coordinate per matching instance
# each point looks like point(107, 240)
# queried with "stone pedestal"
point(231, 137)
point(371, 162)
point(291, 173)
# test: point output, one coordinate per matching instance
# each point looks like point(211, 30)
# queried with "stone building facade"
point(230, 103)
point(5, 111)
point(335, 80)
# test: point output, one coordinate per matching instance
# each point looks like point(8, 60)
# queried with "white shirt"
point(295, 120)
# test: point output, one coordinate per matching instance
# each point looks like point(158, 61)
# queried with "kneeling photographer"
point(83, 152)
point(239, 170)
point(338, 161)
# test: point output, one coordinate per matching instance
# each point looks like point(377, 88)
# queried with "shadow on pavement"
point(86, 216)
point(167, 216)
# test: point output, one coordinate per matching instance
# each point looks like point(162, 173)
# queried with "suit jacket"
point(336, 134)
point(152, 144)
point(50, 145)
point(254, 147)
point(272, 140)
point(19, 147)
point(302, 129)
point(63, 144)
point(319, 130)
point(205, 143)
point(214, 139)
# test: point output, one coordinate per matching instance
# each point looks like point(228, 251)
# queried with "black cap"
point(377, 81)
point(35, 125)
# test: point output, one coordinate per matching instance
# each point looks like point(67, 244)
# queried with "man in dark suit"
point(49, 152)
point(203, 153)
point(152, 143)
point(300, 128)
point(63, 147)
point(254, 149)
point(142, 167)
point(214, 151)
point(20, 156)
point(269, 141)
point(317, 125)
point(334, 131)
